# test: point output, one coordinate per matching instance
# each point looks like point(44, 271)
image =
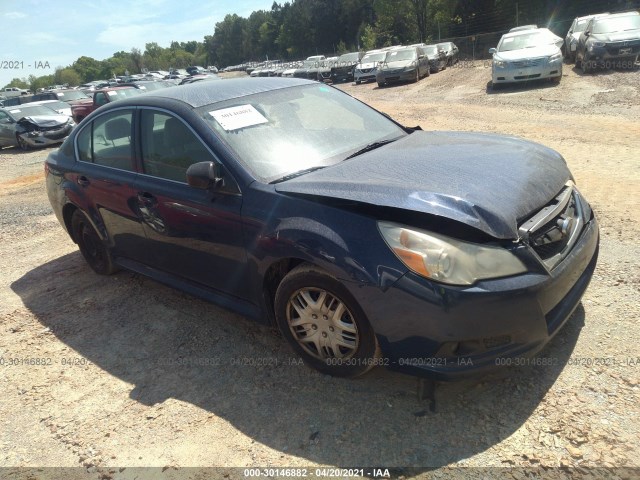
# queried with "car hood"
point(617, 36)
point(524, 53)
point(44, 121)
point(486, 181)
point(364, 66)
point(396, 64)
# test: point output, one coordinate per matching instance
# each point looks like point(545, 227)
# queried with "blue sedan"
point(440, 254)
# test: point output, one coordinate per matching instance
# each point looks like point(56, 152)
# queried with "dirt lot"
point(135, 374)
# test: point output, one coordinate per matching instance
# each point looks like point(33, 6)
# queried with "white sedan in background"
point(527, 55)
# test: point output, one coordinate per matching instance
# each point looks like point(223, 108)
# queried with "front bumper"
point(396, 76)
point(446, 332)
point(619, 54)
point(513, 73)
point(366, 75)
point(43, 139)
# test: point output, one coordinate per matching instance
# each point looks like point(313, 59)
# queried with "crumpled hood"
point(45, 121)
point(486, 181)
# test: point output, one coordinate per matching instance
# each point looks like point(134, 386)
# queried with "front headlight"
point(448, 260)
point(594, 44)
point(556, 57)
point(498, 64)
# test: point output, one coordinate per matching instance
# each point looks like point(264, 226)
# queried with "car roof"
point(205, 93)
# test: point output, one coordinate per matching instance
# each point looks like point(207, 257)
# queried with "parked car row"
point(600, 40)
point(354, 66)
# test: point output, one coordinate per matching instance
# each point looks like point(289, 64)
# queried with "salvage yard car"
point(367, 243)
point(82, 108)
point(30, 126)
point(576, 28)
point(367, 68)
point(402, 65)
point(526, 55)
point(609, 41)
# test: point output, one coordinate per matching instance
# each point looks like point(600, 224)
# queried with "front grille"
point(534, 62)
point(628, 49)
point(526, 77)
point(553, 231)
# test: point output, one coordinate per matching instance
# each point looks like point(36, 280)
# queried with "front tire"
point(324, 324)
point(381, 84)
point(93, 249)
point(22, 143)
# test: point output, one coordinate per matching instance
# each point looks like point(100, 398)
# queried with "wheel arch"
point(273, 276)
point(67, 214)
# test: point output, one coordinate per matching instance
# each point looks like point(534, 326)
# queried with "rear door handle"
point(82, 180)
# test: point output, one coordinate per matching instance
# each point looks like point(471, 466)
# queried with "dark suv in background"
point(609, 41)
point(342, 70)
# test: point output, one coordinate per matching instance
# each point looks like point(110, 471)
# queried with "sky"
point(40, 35)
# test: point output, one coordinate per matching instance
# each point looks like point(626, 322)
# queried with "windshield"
point(124, 93)
point(431, 51)
point(56, 105)
point(580, 25)
point(70, 95)
point(445, 46)
point(284, 131)
point(401, 55)
point(348, 58)
point(373, 57)
point(526, 40)
point(620, 24)
point(30, 111)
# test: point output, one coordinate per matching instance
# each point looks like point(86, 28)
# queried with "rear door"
point(106, 175)
point(192, 233)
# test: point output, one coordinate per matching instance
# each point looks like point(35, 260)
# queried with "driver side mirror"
point(492, 51)
point(586, 34)
point(205, 175)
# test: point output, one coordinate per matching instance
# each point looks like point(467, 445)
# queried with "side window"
point(3, 117)
point(107, 141)
point(169, 147)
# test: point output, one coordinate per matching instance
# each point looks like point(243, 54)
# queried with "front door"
point(192, 233)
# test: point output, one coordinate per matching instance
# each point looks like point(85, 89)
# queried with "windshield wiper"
point(371, 146)
point(297, 174)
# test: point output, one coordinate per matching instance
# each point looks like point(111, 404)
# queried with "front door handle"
point(83, 181)
point(147, 199)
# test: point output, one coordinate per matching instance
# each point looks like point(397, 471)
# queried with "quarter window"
point(169, 147)
point(107, 141)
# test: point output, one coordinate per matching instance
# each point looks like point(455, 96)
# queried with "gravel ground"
point(134, 374)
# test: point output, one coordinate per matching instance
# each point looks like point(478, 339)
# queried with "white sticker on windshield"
point(14, 111)
point(235, 118)
point(508, 40)
point(112, 93)
point(142, 87)
point(60, 94)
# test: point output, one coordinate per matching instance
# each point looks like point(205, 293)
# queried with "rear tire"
point(324, 324)
point(93, 249)
point(381, 84)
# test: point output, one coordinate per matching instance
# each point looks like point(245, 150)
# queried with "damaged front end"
point(43, 131)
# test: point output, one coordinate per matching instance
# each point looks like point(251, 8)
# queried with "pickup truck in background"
point(14, 92)
point(81, 108)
